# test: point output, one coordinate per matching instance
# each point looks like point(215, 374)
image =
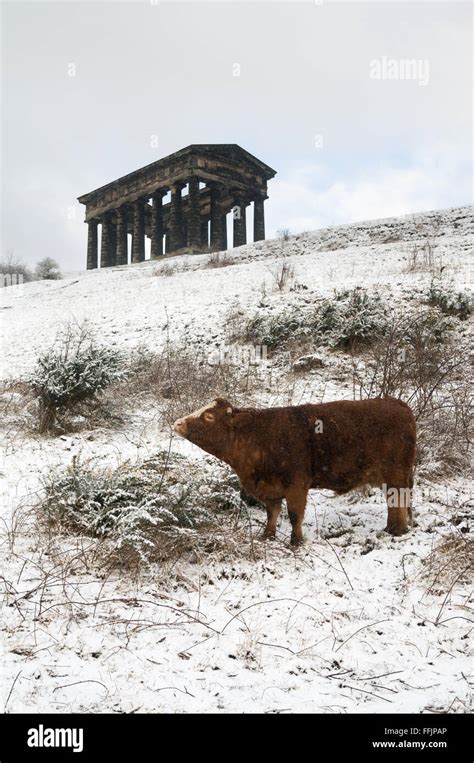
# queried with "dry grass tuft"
point(181, 380)
point(219, 260)
point(450, 562)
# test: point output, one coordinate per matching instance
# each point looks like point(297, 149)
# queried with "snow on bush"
point(145, 512)
point(75, 370)
point(360, 320)
point(449, 301)
point(350, 321)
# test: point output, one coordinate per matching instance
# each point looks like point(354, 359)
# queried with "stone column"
point(105, 241)
point(217, 243)
point(122, 238)
point(92, 251)
point(205, 233)
point(194, 215)
point(113, 240)
point(175, 223)
point(157, 225)
point(240, 221)
point(224, 231)
point(138, 236)
point(258, 219)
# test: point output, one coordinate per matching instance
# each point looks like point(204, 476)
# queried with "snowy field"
point(350, 622)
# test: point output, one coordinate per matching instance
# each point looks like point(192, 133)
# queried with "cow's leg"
point(399, 510)
point(409, 507)
point(296, 503)
point(273, 512)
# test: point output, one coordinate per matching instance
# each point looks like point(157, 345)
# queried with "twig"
point(11, 689)
point(356, 688)
point(123, 600)
point(86, 681)
point(449, 591)
point(277, 646)
point(270, 601)
point(455, 617)
point(361, 629)
point(175, 688)
point(340, 563)
point(381, 675)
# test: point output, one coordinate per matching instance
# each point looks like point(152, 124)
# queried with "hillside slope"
point(354, 621)
point(129, 305)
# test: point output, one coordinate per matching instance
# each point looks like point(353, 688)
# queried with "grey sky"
point(346, 146)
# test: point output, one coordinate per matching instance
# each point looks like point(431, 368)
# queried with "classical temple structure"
point(179, 202)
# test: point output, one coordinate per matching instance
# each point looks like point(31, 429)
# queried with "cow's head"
point(209, 427)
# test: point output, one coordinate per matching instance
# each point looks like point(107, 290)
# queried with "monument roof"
point(230, 151)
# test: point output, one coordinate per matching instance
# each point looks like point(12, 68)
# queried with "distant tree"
point(47, 270)
point(13, 270)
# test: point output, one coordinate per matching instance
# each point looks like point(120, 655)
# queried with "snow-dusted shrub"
point(275, 331)
point(362, 320)
point(327, 318)
point(428, 331)
point(162, 507)
point(450, 301)
point(75, 370)
point(350, 321)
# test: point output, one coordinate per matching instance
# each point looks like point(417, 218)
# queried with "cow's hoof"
point(267, 536)
point(396, 530)
point(295, 542)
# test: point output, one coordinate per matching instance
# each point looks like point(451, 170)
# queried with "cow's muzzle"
point(180, 427)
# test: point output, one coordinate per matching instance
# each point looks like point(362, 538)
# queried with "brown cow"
point(284, 452)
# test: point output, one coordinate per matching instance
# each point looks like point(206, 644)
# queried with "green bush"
point(275, 331)
point(327, 319)
point(362, 320)
point(140, 512)
point(349, 321)
point(449, 301)
point(74, 371)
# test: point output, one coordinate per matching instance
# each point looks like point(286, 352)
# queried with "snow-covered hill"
point(347, 623)
point(130, 305)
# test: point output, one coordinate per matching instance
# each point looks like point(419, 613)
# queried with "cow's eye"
point(209, 416)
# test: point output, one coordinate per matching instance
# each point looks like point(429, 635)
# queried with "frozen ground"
point(348, 623)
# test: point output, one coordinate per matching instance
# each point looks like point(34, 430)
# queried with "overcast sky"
point(90, 88)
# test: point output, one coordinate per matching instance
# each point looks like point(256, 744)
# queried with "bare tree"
point(14, 267)
point(47, 270)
